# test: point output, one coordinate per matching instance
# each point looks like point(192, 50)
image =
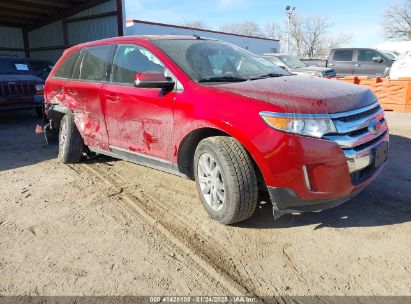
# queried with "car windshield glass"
point(12, 66)
point(291, 61)
point(209, 61)
point(390, 56)
point(41, 66)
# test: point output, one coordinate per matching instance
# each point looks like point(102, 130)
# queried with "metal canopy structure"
point(59, 19)
point(32, 14)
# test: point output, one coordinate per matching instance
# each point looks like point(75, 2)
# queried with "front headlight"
point(315, 125)
point(39, 88)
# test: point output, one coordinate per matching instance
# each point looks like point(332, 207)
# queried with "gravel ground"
point(108, 227)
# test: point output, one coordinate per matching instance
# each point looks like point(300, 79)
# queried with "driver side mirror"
point(153, 80)
point(377, 59)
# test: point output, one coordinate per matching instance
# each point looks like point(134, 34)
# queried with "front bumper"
point(317, 174)
point(21, 103)
point(286, 201)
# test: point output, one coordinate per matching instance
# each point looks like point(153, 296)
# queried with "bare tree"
point(272, 30)
point(196, 24)
point(315, 36)
point(309, 36)
point(248, 28)
point(397, 21)
point(297, 34)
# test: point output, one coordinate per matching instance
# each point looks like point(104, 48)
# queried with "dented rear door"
point(84, 91)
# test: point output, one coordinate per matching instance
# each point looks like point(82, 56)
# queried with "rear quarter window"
point(66, 67)
point(94, 64)
point(343, 55)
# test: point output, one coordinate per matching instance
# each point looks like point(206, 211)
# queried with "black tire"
point(71, 143)
point(237, 174)
point(39, 112)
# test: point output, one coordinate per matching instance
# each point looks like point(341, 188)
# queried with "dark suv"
point(19, 87)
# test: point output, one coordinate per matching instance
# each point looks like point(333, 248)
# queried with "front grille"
point(369, 143)
point(357, 141)
point(13, 90)
point(359, 115)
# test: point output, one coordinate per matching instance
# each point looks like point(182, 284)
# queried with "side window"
point(130, 60)
point(94, 63)
point(343, 55)
point(66, 67)
point(367, 55)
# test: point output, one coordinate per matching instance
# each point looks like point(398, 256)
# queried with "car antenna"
point(191, 29)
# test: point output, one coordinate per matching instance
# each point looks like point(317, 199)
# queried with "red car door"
point(84, 91)
point(139, 120)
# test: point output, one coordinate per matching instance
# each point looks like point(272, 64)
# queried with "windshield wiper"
point(269, 75)
point(223, 79)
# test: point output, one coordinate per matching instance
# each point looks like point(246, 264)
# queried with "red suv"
point(236, 123)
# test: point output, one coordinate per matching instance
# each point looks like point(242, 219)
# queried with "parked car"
point(402, 67)
point(40, 68)
point(296, 66)
point(356, 61)
point(19, 88)
point(234, 122)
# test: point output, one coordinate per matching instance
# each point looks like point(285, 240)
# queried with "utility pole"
point(289, 11)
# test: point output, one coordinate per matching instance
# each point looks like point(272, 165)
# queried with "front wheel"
point(226, 179)
point(71, 143)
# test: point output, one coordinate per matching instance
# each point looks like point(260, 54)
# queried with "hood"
point(26, 78)
point(302, 94)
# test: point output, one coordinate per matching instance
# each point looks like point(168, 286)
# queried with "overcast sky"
point(361, 18)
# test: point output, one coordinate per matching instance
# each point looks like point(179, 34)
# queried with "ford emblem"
point(375, 126)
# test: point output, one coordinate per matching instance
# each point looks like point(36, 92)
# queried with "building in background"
point(256, 45)
point(43, 29)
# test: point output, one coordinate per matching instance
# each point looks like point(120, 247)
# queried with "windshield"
point(14, 66)
point(41, 66)
point(216, 61)
point(390, 56)
point(291, 61)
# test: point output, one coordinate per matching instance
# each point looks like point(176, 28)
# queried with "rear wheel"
point(71, 143)
point(226, 179)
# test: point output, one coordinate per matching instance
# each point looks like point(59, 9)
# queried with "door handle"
point(112, 98)
point(358, 65)
point(331, 64)
point(69, 90)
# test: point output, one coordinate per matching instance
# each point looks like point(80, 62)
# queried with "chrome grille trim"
point(358, 160)
point(347, 127)
point(354, 137)
point(356, 111)
point(346, 141)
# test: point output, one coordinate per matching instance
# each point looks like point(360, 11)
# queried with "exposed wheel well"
point(188, 146)
point(185, 157)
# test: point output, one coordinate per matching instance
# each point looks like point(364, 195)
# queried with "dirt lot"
point(108, 227)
